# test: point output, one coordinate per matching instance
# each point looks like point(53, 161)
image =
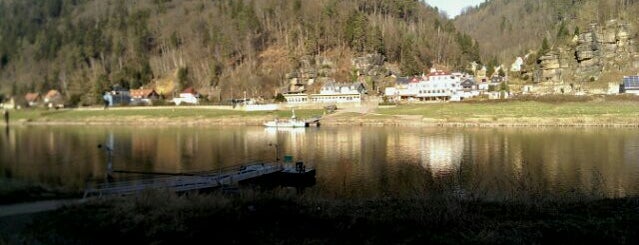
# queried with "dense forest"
point(83, 47)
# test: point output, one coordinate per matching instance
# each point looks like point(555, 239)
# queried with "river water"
point(351, 162)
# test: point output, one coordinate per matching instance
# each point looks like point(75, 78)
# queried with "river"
point(351, 162)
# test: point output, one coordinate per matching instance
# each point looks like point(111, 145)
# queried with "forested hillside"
point(506, 29)
point(82, 47)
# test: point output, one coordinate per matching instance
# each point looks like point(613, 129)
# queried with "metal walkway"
point(188, 182)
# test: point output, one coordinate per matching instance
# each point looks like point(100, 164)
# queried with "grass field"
point(524, 112)
point(516, 109)
point(519, 112)
point(137, 114)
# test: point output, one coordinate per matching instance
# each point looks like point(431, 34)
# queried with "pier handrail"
point(222, 176)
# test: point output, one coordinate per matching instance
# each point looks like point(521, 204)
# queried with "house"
point(330, 93)
point(188, 95)
point(468, 84)
point(405, 88)
point(497, 80)
point(143, 96)
point(438, 85)
point(435, 86)
point(9, 104)
point(32, 99)
point(190, 90)
point(53, 99)
point(631, 85)
point(296, 98)
point(340, 93)
point(468, 89)
point(516, 67)
point(120, 96)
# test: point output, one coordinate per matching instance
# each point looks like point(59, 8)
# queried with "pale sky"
point(453, 7)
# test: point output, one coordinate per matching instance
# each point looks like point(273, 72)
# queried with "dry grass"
point(279, 217)
point(139, 115)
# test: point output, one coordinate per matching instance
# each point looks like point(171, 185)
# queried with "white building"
point(631, 85)
point(330, 93)
point(516, 67)
point(339, 93)
point(436, 86)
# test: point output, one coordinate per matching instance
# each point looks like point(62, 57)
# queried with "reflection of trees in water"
point(351, 161)
point(538, 162)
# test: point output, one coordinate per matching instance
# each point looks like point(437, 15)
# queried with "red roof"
point(189, 90)
point(31, 97)
point(52, 94)
point(141, 93)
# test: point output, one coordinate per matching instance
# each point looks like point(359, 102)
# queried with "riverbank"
point(15, 191)
point(282, 218)
point(613, 113)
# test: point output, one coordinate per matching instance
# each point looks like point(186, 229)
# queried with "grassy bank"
point(267, 218)
point(151, 115)
point(558, 112)
point(521, 113)
point(14, 191)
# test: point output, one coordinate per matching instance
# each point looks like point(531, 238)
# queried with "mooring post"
point(5, 114)
point(277, 152)
point(109, 173)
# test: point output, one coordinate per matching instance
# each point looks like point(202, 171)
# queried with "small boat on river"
point(293, 122)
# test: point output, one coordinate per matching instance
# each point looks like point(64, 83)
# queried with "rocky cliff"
point(313, 71)
point(601, 49)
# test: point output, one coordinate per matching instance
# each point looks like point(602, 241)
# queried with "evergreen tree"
point(544, 47)
point(375, 41)
point(408, 62)
point(356, 27)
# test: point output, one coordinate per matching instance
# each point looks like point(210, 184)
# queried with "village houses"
point(143, 96)
point(439, 85)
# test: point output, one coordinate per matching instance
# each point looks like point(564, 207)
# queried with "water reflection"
point(351, 162)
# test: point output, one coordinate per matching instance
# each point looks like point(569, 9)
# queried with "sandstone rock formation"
point(600, 49)
point(320, 69)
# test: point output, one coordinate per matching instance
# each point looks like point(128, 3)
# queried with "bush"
point(75, 99)
point(280, 98)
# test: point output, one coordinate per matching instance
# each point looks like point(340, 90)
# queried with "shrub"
point(280, 98)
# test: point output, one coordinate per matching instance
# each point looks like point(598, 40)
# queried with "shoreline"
point(362, 121)
point(614, 114)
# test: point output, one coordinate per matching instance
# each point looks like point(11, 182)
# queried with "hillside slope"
point(572, 41)
point(226, 47)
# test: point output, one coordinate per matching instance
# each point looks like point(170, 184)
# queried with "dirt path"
point(35, 207)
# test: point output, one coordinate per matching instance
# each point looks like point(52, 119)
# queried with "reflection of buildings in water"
point(339, 151)
point(441, 153)
point(290, 139)
point(435, 152)
point(401, 148)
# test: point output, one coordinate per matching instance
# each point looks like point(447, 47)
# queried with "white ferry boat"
point(290, 123)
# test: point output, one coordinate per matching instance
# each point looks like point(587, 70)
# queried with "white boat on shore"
point(290, 123)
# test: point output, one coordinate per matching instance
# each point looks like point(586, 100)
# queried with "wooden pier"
point(183, 182)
